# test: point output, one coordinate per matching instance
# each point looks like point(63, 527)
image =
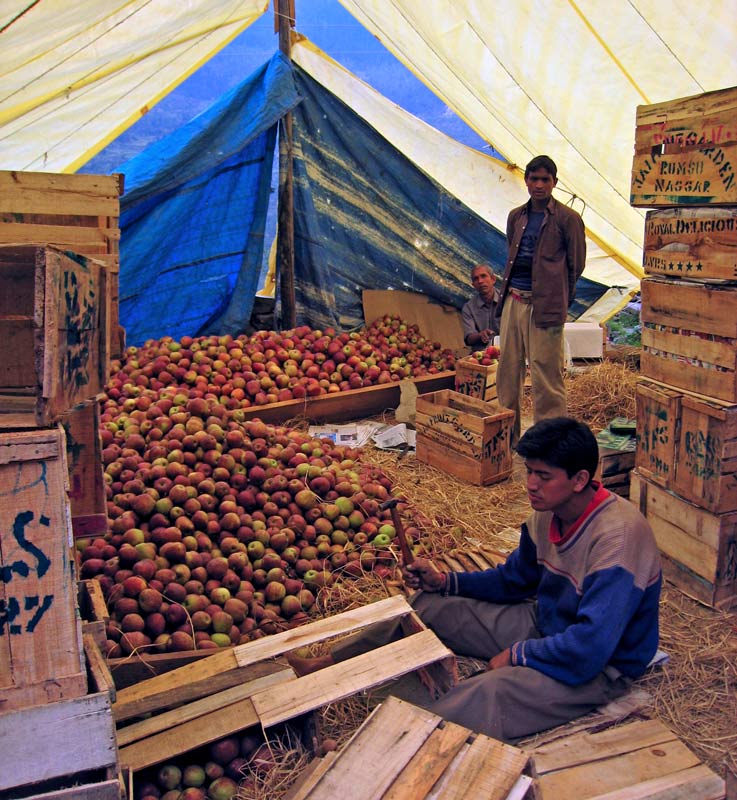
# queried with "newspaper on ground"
point(350, 435)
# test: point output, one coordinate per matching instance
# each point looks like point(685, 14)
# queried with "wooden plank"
point(309, 777)
point(467, 563)
point(429, 763)
point(49, 193)
point(102, 680)
point(676, 372)
point(488, 769)
point(133, 698)
point(722, 596)
point(77, 735)
point(693, 243)
point(390, 737)
point(687, 784)
point(344, 406)
point(189, 735)
point(681, 344)
point(479, 560)
point(586, 747)
point(318, 631)
point(348, 677)
point(187, 692)
point(129, 671)
point(705, 308)
point(590, 780)
point(198, 708)
point(105, 790)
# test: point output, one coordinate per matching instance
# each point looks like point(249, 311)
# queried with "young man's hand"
point(423, 574)
point(503, 659)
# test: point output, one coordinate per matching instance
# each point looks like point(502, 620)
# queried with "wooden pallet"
point(242, 686)
point(402, 751)
point(635, 761)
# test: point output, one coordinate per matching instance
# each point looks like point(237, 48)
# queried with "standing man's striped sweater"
point(597, 590)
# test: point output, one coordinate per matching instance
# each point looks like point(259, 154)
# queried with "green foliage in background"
point(624, 327)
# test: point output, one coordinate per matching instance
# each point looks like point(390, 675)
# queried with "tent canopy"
point(557, 77)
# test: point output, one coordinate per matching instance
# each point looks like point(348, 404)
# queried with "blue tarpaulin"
point(366, 217)
point(194, 210)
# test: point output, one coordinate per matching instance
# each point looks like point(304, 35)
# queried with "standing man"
point(547, 254)
point(566, 623)
point(478, 315)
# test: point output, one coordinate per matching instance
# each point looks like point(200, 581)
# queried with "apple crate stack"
point(53, 363)
point(79, 213)
point(685, 166)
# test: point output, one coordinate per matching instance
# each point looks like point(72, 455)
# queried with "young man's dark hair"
point(542, 162)
point(561, 442)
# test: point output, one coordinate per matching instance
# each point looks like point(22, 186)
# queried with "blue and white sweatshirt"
point(597, 592)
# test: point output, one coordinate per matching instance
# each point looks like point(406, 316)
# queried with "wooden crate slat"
point(49, 193)
point(589, 780)
point(77, 735)
point(658, 420)
point(198, 708)
point(343, 406)
point(105, 790)
point(202, 730)
point(390, 738)
point(687, 784)
point(704, 308)
point(348, 677)
point(152, 693)
point(309, 777)
point(429, 763)
point(716, 354)
point(319, 630)
point(585, 747)
point(488, 769)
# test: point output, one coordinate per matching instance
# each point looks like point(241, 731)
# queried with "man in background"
point(478, 315)
point(547, 254)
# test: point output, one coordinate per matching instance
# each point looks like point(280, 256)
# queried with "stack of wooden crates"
point(57, 734)
point(685, 164)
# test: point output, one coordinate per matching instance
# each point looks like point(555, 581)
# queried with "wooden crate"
point(86, 477)
point(706, 455)
point(475, 379)
point(658, 427)
point(699, 548)
point(614, 469)
point(414, 754)
point(243, 686)
point(53, 334)
point(64, 750)
point(41, 658)
point(689, 336)
point(699, 244)
point(686, 151)
point(464, 436)
point(76, 212)
point(641, 760)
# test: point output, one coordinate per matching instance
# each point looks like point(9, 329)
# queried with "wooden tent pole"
point(284, 20)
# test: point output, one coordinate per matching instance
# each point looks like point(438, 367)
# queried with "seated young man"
point(566, 623)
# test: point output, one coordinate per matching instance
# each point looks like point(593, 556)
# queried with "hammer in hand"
point(391, 504)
